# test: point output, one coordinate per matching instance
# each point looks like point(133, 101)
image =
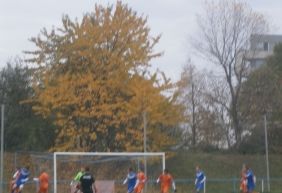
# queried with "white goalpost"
point(109, 154)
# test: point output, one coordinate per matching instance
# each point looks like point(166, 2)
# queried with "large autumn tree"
point(90, 79)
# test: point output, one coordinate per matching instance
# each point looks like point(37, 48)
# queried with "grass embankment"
point(223, 170)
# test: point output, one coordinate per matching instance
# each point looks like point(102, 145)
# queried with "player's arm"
point(24, 180)
point(16, 174)
point(136, 184)
point(77, 177)
point(204, 179)
point(247, 174)
point(173, 186)
point(125, 180)
point(78, 185)
point(158, 180)
point(145, 179)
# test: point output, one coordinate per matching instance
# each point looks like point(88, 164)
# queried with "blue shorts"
point(250, 187)
point(199, 186)
point(19, 183)
point(130, 189)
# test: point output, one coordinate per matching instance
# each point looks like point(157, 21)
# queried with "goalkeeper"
point(166, 181)
point(76, 180)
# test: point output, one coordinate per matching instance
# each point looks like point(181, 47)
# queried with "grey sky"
point(174, 19)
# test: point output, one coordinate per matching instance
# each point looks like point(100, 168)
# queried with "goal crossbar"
point(146, 154)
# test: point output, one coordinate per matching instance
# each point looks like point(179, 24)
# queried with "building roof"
point(266, 37)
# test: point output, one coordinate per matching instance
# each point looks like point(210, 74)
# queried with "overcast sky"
point(174, 19)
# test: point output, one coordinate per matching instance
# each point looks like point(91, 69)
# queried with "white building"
point(261, 46)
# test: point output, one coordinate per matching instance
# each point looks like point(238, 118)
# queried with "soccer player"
point(87, 182)
point(166, 181)
point(15, 177)
point(243, 180)
point(200, 180)
point(21, 180)
point(250, 180)
point(140, 183)
point(130, 179)
point(43, 180)
point(76, 180)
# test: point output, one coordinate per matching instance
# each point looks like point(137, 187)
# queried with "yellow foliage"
point(89, 80)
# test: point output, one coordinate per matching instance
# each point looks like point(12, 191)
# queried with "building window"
point(259, 46)
point(265, 46)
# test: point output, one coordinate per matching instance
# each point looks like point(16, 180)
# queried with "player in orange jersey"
point(166, 181)
point(243, 180)
point(43, 180)
point(140, 183)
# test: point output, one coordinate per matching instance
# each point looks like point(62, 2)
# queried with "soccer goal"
point(109, 168)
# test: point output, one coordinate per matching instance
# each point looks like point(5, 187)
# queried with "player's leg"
point(245, 189)
point(20, 188)
point(43, 190)
point(198, 188)
point(15, 188)
point(136, 190)
point(139, 188)
point(77, 188)
point(166, 189)
point(250, 188)
point(12, 183)
point(162, 190)
point(241, 187)
point(130, 190)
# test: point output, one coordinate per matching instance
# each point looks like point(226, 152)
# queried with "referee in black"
point(87, 182)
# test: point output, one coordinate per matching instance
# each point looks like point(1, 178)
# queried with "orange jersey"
point(166, 181)
point(141, 177)
point(141, 182)
point(243, 182)
point(44, 182)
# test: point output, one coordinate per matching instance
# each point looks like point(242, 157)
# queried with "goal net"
point(109, 169)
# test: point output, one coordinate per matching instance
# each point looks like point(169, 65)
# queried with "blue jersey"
point(250, 180)
point(200, 179)
point(131, 179)
point(23, 177)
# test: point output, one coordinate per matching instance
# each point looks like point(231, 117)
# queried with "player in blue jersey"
point(21, 180)
point(200, 180)
point(130, 179)
point(250, 180)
